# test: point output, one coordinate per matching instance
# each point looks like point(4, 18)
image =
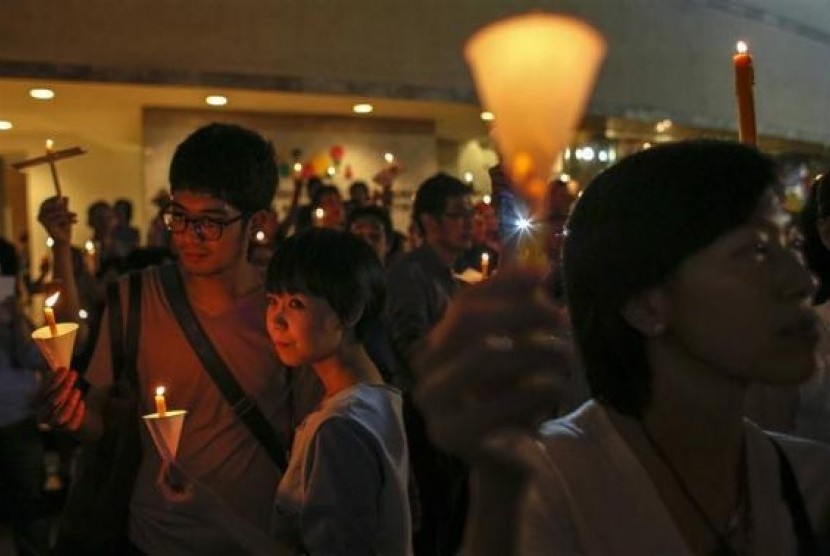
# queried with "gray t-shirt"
point(345, 489)
point(215, 446)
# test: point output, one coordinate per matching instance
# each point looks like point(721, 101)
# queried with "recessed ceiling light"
point(362, 108)
point(487, 116)
point(216, 100)
point(5, 125)
point(42, 94)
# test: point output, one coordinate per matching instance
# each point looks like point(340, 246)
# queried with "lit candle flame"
point(319, 213)
point(741, 47)
point(160, 391)
point(49, 144)
point(52, 299)
point(89, 246)
point(485, 258)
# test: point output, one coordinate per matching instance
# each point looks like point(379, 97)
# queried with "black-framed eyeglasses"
point(206, 228)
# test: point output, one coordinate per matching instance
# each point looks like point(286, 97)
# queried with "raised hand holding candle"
point(744, 81)
point(485, 265)
point(49, 313)
point(161, 404)
point(535, 72)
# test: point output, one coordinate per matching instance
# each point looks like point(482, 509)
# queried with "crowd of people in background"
point(355, 389)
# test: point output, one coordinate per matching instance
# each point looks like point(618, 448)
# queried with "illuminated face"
point(371, 230)
point(303, 328)
point(742, 303)
point(194, 220)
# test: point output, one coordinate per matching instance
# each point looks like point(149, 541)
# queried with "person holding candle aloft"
point(223, 179)
point(683, 290)
point(79, 290)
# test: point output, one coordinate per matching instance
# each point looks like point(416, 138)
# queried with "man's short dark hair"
point(631, 229)
point(335, 265)
point(358, 185)
point(432, 195)
point(94, 209)
point(372, 212)
point(124, 208)
point(227, 162)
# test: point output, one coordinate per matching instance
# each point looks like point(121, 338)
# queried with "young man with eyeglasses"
point(223, 179)
point(421, 285)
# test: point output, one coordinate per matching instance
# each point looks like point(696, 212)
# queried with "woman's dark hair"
point(816, 254)
point(228, 162)
point(631, 229)
point(336, 266)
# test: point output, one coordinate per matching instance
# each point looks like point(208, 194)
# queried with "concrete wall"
point(668, 58)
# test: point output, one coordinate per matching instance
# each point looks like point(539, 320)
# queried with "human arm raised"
point(492, 370)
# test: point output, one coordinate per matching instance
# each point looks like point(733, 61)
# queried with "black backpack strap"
point(133, 330)
point(124, 353)
point(805, 536)
point(242, 404)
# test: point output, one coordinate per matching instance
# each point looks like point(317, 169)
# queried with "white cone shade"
point(166, 431)
point(57, 350)
point(535, 73)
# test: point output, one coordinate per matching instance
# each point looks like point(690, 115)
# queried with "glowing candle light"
point(49, 313)
point(744, 81)
point(90, 257)
point(161, 404)
point(319, 215)
point(485, 265)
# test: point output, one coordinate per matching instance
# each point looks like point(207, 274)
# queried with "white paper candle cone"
point(535, 73)
point(57, 350)
point(166, 431)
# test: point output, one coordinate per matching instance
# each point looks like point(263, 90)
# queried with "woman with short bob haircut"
point(345, 488)
point(683, 291)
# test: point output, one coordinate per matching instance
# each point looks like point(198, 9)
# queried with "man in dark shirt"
point(421, 286)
